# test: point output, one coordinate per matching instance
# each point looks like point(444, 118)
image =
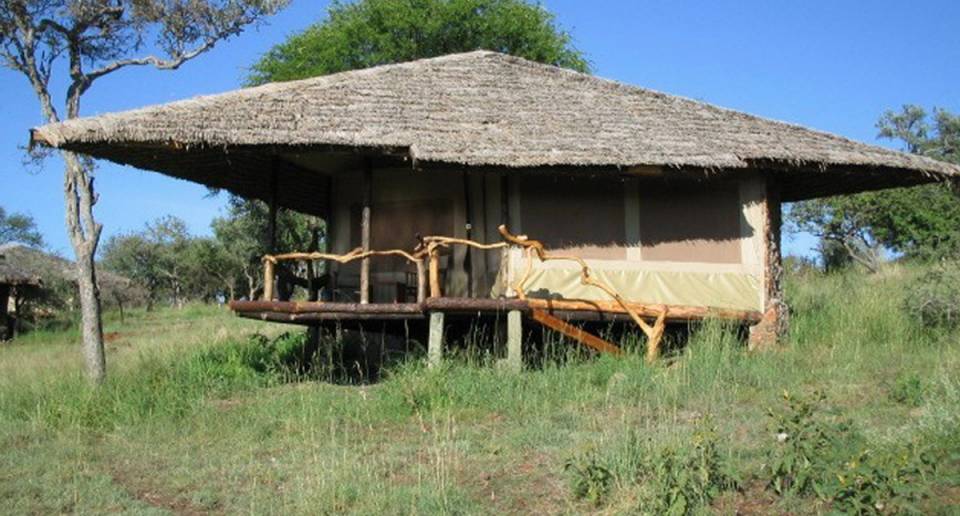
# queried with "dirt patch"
point(753, 499)
point(143, 489)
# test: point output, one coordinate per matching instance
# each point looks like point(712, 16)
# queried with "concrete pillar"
point(514, 340)
point(435, 339)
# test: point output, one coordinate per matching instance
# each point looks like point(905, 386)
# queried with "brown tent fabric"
point(479, 109)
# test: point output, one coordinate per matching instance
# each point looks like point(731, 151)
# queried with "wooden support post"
point(435, 339)
point(435, 273)
point(365, 233)
point(421, 281)
point(269, 276)
point(468, 232)
point(328, 239)
point(515, 340)
point(267, 280)
point(655, 337)
point(767, 332)
point(271, 242)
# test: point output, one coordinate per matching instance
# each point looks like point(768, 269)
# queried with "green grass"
point(197, 416)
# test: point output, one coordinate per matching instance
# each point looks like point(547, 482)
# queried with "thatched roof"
point(43, 268)
point(479, 109)
point(12, 274)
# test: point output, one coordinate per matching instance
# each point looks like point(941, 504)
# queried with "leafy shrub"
point(680, 480)
point(908, 389)
point(880, 483)
point(934, 298)
point(831, 461)
point(589, 479)
point(806, 445)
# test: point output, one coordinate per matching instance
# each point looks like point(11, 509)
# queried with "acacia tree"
point(17, 227)
point(90, 39)
point(917, 222)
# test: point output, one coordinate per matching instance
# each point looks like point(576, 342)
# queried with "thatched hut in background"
point(674, 204)
point(50, 292)
point(15, 284)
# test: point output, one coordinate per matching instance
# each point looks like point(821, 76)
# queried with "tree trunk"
point(84, 234)
point(91, 328)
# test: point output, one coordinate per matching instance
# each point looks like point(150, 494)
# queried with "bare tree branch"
point(158, 63)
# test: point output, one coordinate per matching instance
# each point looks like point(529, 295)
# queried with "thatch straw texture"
point(484, 109)
point(11, 274)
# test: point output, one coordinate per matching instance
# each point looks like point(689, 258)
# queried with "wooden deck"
point(315, 313)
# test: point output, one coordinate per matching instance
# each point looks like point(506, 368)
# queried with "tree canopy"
point(375, 32)
point(20, 228)
point(918, 222)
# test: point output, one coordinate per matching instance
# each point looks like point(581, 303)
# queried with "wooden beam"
point(587, 339)
point(675, 313)
point(303, 307)
point(474, 305)
point(365, 232)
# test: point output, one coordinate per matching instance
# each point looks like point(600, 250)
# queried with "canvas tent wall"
point(690, 244)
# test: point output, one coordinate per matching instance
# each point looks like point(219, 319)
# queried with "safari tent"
point(657, 208)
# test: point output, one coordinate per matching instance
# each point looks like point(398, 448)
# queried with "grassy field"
point(204, 412)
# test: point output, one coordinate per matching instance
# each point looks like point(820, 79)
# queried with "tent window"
point(691, 226)
point(584, 217)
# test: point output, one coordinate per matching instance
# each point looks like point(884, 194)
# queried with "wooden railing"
point(428, 249)
point(534, 248)
point(270, 261)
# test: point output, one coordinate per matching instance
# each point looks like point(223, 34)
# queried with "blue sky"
point(833, 65)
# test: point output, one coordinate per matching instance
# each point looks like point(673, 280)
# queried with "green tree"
point(240, 237)
point(17, 227)
point(918, 222)
point(87, 40)
point(375, 32)
point(168, 262)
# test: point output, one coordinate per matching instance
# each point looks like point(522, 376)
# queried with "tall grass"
point(200, 407)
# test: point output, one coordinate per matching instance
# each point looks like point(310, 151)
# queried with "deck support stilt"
point(515, 340)
point(435, 339)
point(365, 233)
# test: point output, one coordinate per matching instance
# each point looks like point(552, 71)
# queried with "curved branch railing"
point(429, 248)
point(534, 247)
point(269, 261)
